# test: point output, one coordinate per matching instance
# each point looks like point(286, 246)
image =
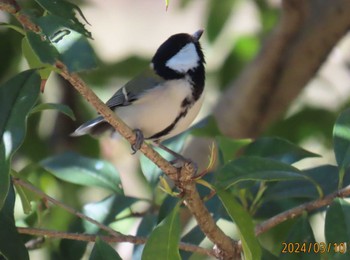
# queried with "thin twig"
point(110, 239)
point(43, 195)
point(294, 212)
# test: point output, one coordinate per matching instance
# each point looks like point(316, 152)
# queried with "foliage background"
point(126, 35)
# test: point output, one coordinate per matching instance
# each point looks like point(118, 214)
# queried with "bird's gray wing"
point(135, 88)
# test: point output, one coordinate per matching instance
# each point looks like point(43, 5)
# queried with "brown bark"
point(307, 32)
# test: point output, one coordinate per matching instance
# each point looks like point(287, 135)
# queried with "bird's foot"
point(138, 142)
point(179, 160)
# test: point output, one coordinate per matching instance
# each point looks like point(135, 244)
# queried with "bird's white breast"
point(159, 107)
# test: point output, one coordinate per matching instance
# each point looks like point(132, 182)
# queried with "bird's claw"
point(138, 142)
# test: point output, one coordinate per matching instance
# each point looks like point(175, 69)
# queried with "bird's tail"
point(93, 127)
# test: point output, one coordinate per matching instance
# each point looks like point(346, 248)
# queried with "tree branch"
point(110, 239)
point(71, 210)
point(227, 248)
point(295, 212)
point(289, 58)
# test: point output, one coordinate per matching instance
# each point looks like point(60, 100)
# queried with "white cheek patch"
point(187, 58)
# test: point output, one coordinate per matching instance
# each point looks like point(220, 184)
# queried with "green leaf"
point(164, 240)
point(34, 61)
point(11, 245)
point(337, 226)
point(77, 169)
point(145, 228)
point(230, 147)
point(326, 176)
point(105, 211)
point(13, 27)
point(43, 48)
point(60, 107)
point(341, 139)
point(66, 11)
point(244, 223)
point(194, 236)
point(17, 97)
point(25, 199)
point(27, 196)
point(218, 14)
point(307, 123)
point(73, 48)
point(256, 169)
point(103, 251)
point(278, 149)
point(300, 233)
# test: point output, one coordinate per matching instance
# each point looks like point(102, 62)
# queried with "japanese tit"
point(164, 100)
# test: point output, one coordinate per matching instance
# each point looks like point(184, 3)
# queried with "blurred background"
point(125, 36)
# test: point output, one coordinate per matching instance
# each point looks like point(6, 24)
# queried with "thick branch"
point(226, 245)
point(227, 248)
point(294, 212)
point(289, 58)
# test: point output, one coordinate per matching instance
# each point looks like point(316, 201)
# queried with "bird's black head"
point(180, 56)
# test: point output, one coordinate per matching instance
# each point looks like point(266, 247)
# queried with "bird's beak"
point(197, 35)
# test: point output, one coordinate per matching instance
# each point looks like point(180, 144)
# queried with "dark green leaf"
point(17, 97)
point(34, 61)
point(145, 228)
point(72, 249)
point(167, 207)
point(325, 176)
point(60, 107)
point(308, 123)
point(43, 48)
point(77, 169)
point(256, 169)
point(106, 210)
point(230, 147)
point(74, 49)
point(103, 251)
point(194, 236)
point(341, 139)
point(11, 245)
point(80, 56)
point(218, 13)
point(278, 149)
point(337, 226)
point(244, 223)
point(164, 240)
point(66, 10)
point(300, 234)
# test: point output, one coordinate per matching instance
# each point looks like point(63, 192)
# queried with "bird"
point(163, 100)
